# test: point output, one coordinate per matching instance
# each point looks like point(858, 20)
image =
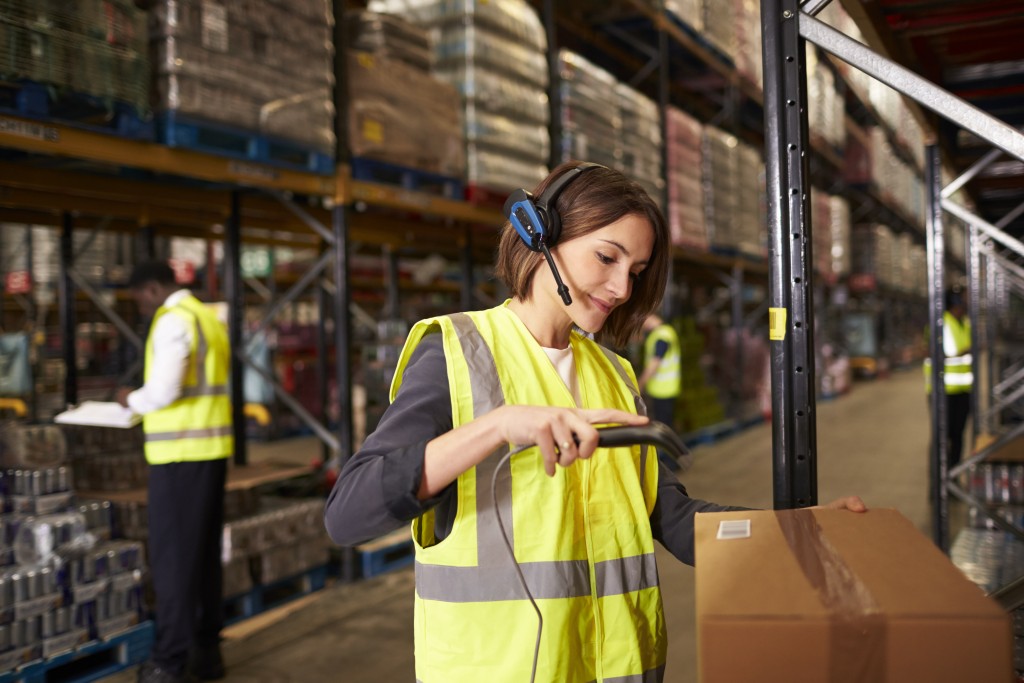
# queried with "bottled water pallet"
point(374, 171)
point(176, 130)
point(43, 103)
point(386, 554)
point(261, 598)
point(91, 661)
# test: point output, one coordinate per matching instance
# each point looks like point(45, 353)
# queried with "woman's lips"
point(606, 308)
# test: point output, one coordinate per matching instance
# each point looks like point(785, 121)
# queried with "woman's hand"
point(563, 435)
point(851, 503)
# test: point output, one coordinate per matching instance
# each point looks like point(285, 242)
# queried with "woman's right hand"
point(563, 435)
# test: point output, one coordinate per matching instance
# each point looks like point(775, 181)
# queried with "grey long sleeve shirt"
point(376, 490)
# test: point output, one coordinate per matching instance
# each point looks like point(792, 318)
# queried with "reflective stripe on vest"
point(667, 379)
point(196, 426)
point(958, 373)
point(602, 605)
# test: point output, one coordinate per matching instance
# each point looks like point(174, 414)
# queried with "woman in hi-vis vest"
point(585, 257)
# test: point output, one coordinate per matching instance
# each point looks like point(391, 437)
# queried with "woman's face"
point(600, 269)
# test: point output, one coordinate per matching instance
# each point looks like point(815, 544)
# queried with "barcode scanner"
point(653, 434)
point(537, 222)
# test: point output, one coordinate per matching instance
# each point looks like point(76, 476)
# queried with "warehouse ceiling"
point(974, 49)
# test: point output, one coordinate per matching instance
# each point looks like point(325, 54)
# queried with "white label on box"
point(215, 26)
point(733, 528)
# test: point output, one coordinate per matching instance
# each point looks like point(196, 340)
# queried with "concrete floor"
point(871, 442)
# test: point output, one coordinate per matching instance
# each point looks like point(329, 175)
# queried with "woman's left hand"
point(851, 503)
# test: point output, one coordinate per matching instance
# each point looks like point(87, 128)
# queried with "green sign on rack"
point(257, 262)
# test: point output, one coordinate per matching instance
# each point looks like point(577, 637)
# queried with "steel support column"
point(234, 293)
point(322, 370)
point(66, 291)
point(936, 247)
point(554, 92)
point(794, 448)
point(973, 267)
point(342, 357)
point(667, 303)
point(468, 285)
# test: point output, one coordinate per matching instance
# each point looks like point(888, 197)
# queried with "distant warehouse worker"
point(661, 379)
point(958, 375)
point(187, 423)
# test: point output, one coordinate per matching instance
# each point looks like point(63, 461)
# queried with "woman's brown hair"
point(595, 199)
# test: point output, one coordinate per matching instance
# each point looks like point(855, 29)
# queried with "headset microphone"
point(538, 223)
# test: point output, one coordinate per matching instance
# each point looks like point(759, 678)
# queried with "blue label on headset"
point(524, 218)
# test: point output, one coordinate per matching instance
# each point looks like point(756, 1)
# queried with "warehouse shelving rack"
point(786, 25)
point(153, 190)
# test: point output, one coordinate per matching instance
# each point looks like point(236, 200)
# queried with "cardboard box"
point(814, 596)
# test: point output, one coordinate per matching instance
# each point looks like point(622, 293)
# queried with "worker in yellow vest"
point(186, 413)
point(958, 373)
point(560, 526)
point(661, 380)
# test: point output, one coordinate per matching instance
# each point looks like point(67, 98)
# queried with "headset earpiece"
point(537, 220)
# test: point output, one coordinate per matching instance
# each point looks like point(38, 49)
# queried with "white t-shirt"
point(565, 364)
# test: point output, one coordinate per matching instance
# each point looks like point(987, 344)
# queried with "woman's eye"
point(634, 276)
point(605, 259)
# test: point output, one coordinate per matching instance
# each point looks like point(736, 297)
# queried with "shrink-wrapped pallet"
point(685, 211)
point(382, 93)
point(257, 65)
point(641, 157)
point(494, 54)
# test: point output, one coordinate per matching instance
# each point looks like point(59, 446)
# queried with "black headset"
point(537, 221)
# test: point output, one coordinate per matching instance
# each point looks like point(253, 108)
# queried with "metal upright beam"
point(667, 304)
point(974, 315)
point(322, 369)
point(234, 292)
point(936, 247)
point(67, 309)
point(391, 277)
point(342, 332)
point(468, 285)
point(787, 152)
point(342, 357)
point(554, 92)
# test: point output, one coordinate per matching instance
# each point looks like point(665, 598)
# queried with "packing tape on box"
point(857, 633)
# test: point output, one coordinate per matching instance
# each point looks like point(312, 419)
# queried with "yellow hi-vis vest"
point(958, 375)
point(667, 381)
point(198, 425)
point(582, 538)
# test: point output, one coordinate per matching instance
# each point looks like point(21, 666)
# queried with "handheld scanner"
point(652, 433)
point(522, 214)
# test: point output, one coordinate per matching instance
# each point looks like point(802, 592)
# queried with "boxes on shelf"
point(382, 92)
point(816, 594)
point(641, 141)
point(91, 54)
point(721, 175)
point(590, 116)
point(685, 211)
point(257, 66)
point(493, 53)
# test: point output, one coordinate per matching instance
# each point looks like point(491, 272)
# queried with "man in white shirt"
point(186, 413)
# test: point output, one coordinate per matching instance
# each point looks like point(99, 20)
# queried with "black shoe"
point(206, 663)
point(151, 673)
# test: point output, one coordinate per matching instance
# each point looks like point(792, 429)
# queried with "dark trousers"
point(663, 410)
point(958, 408)
point(186, 517)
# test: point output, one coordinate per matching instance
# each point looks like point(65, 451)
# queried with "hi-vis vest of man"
point(198, 425)
point(582, 538)
point(956, 345)
point(667, 381)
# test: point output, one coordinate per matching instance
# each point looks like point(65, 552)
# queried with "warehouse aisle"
point(872, 442)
